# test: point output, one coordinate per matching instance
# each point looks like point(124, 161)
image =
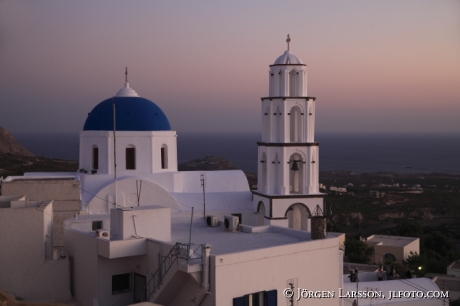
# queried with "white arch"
point(297, 215)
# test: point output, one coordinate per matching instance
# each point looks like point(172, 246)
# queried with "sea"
point(359, 153)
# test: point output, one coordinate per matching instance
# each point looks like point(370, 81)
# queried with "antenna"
point(203, 183)
point(138, 191)
point(115, 149)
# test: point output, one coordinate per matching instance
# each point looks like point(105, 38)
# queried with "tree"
point(408, 228)
point(358, 251)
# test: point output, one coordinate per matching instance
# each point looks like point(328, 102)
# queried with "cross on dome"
point(126, 91)
point(288, 40)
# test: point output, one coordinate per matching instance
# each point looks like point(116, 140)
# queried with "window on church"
point(130, 158)
point(262, 298)
point(164, 157)
point(95, 158)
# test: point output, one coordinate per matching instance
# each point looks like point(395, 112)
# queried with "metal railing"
point(186, 252)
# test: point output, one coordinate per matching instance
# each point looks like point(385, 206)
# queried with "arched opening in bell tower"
point(295, 124)
point(297, 215)
point(276, 172)
point(296, 173)
point(293, 83)
point(263, 179)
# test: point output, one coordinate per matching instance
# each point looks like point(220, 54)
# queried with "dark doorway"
point(139, 288)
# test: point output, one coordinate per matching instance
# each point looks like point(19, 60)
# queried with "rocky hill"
point(8, 145)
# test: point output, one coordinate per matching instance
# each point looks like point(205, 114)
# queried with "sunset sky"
point(374, 66)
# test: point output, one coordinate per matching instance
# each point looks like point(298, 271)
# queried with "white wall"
point(317, 265)
point(147, 150)
point(144, 221)
point(24, 269)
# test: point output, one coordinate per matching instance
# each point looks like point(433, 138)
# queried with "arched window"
point(95, 158)
point(130, 157)
point(295, 124)
point(389, 257)
point(164, 156)
point(293, 77)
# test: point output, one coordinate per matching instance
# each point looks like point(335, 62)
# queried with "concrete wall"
point(62, 191)
point(316, 265)
point(83, 249)
point(144, 221)
point(109, 267)
point(24, 268)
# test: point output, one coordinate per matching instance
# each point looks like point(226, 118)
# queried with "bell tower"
point(288, 188)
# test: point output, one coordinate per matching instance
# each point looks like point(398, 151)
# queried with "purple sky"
point(374, 66)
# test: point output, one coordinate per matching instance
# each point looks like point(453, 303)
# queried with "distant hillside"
point(207, 163)
point(8, 145)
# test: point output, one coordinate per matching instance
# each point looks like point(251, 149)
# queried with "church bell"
point(294, 167)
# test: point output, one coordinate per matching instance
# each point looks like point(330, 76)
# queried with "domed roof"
point(288, 58)
point(133, 113)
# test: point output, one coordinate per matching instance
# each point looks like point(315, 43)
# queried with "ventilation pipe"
point(205, 257)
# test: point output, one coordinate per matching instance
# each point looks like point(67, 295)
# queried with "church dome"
point(133, 113)
point(288, 59)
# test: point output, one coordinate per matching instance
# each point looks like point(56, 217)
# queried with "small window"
point(95, 158)
point(164, 157)
point(121, 283)
point(262, 298)
point(130, 158)
point(97, 225)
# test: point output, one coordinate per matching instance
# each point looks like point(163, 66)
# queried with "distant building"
point(376, 194)
point(392, 248)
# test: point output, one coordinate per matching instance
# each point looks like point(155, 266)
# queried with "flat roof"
point(391, 240)
point(223, 241)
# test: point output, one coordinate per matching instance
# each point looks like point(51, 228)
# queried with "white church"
point(128, 227)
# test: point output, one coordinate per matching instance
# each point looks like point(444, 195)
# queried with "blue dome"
point(133, 114)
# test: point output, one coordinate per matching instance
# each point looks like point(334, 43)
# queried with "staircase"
point(180, 252)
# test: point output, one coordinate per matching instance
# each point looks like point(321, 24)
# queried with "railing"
point(179, 251)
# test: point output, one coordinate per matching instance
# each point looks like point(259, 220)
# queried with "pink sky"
point(374, 66)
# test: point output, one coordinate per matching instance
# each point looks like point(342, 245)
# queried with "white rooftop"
point(390, 240)
point(223, 241)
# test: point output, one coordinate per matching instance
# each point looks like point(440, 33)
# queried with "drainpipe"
point(205, 257)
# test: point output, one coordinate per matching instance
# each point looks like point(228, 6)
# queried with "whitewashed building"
point(144, 234)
